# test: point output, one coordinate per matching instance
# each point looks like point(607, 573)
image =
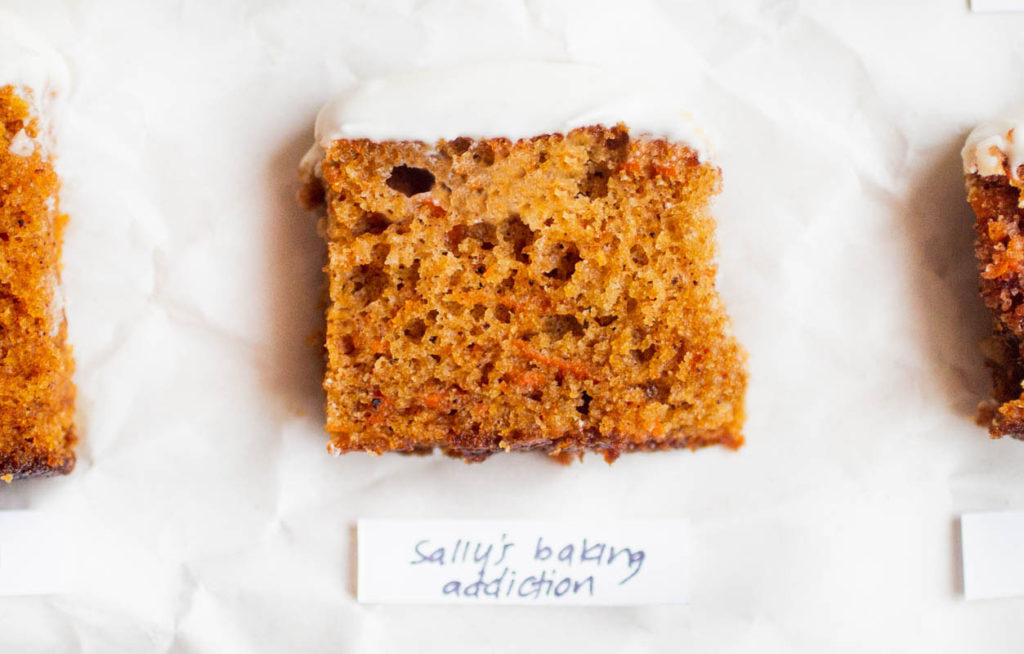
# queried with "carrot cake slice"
point(993, 159)
point(518, 263)
point(37, 434)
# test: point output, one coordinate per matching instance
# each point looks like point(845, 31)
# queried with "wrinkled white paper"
point(215, 521)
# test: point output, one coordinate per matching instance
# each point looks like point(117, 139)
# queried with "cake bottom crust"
point(25, 464)
point(474, 448)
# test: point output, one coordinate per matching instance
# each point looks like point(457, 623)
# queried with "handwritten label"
point(628, 563)
point(992, 545)
point(997, 5)
point(36, 553)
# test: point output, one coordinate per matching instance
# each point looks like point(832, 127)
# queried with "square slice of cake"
point(553, 292)
point(37, 434)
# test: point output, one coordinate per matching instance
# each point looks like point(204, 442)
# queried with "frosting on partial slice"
point(27, 60)
point(36, 71)
point(500, 100)
point(996, 147)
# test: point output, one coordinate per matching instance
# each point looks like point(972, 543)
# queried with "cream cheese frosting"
point(27, 60)
point(38, 73)
point(499, 100)
point(996, 147)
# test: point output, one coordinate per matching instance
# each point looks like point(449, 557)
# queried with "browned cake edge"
point(473, 448)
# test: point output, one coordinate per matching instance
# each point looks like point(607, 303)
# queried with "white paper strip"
point(997, 5)
point(993, 554)
point(36, 553)
point(627, 563)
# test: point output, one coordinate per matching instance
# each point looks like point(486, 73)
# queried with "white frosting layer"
point(500, 100)
point(996, 147)
point(28, 63)
point(22, 144)
point(26, 60)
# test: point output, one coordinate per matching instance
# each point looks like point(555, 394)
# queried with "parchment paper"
point(208, 516)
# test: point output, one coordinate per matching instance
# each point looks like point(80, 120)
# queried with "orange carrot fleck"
point(574, 368)
point(529, 379)
point(436, 400)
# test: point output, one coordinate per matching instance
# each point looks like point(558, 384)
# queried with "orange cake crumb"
point(555, 293)
point(37, 435)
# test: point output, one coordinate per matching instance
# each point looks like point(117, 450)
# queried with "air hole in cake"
point(566, 264)
point(638, 255)
point(595, 184)
point(618, 144)
point(368, 283)
point(432, 316)
point(584, 405)
point(348, 345)
point(5, 237)
point(542, 156)
point(460, 145)
point(478, 311)
point(536, 396)
point(644, 355)
point(411, 275)
point(631, 305)
point(380, 253)
point(519, 235)
point(657, 390)
point(508, 284)
point(486, 233)
point(559, 325)
point(415, 329)
point(455, 236)
point(485, 373)
point(604, 321)
point(502, 314)
point(483, 154)
point(410, 181)
point(370, 223)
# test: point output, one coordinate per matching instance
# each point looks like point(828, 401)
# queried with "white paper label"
point(35, 553)
point(993, 554)
point(627, 563)
point(997, 5)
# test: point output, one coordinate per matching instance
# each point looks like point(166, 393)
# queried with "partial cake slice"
point(554, 292)
point(993, 162)
point(37, 434)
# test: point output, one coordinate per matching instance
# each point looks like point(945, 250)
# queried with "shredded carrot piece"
point(574, 368)
point(529, 379)
point(436, 400)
